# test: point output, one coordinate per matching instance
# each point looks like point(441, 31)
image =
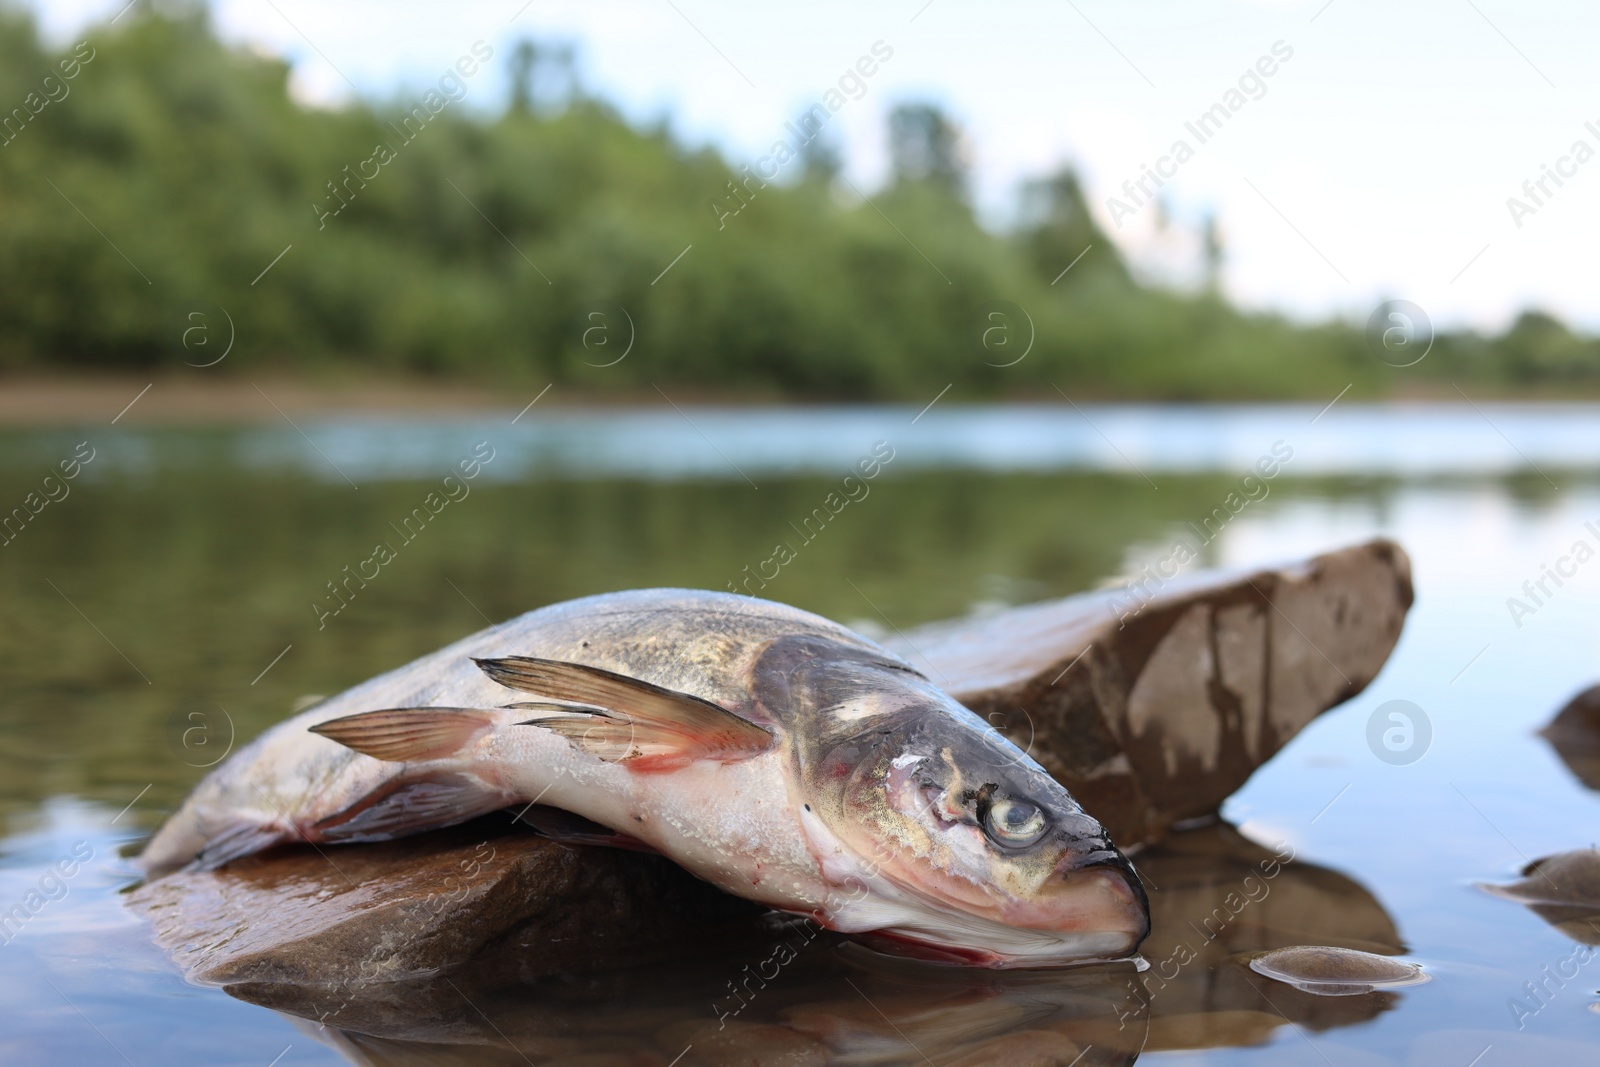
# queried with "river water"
point(179, 583)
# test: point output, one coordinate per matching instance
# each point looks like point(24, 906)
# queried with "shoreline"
point(41, 401)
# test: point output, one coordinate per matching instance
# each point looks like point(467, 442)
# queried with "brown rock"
point(1563, 890)
point(1565, 878)
point(519, 904)
point(1575, 735)
point(1154, 706)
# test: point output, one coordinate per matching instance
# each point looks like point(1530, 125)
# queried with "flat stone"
point(1575, 735)
point(1331, 971)
point(517, 904)
point(1563, 890)
point(1565, 878)
point(1154, 705)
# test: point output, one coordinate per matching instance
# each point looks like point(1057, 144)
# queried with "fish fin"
point(402, 735)
point(240, 835)
point(624, 720)
point(410, 805)
point(566, 828)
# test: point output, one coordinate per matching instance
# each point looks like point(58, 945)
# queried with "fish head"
point(969, 851)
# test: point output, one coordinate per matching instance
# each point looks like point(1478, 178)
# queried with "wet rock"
point(1154, 704)
point(338, 918)
point(1565, 878)
point(1563, 890)
point(1336, 972)
point(1575, 735)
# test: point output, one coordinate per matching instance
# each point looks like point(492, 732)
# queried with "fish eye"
point(1015, 823)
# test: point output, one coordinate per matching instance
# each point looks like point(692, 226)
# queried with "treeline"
point(161, 194)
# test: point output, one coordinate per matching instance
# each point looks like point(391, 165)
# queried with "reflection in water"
point(837, 1003)
point(1575, 735)
point(1564, 889)
point(1216, 897)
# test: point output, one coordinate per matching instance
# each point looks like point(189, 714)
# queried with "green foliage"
point(173, 170)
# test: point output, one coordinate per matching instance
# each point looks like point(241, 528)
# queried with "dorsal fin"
point(625, 720)
point(407, 735)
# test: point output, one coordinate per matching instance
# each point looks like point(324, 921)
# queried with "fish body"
point(767, 750)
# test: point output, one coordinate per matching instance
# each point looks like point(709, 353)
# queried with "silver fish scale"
point(693, 641)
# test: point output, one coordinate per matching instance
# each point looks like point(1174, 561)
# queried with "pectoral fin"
point(625, 720)
point(235, 835)
point(409, 805)
point(406, 735)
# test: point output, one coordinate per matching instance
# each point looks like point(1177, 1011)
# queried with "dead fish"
point(767, 750)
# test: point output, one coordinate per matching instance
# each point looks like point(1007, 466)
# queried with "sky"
point(1375, 162)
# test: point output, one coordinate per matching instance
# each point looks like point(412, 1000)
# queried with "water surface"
point(175, 601)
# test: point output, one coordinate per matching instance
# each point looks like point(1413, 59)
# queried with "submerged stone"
point(1336, 972)
point(1563, 890)
point(1565, 878)
point(1575, 735)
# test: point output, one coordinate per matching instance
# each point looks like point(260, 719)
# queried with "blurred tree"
point(1538, 347)
point(523, 57)
point(170, 174)
point(1058, 228)
point(820, 159)
point(1211, 251)
point(925, 147)
point(543, 76)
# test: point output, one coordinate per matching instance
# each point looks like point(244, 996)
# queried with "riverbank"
point(192, 399)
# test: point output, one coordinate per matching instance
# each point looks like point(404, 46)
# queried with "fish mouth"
point(1093, 910)
point(1109, 895)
